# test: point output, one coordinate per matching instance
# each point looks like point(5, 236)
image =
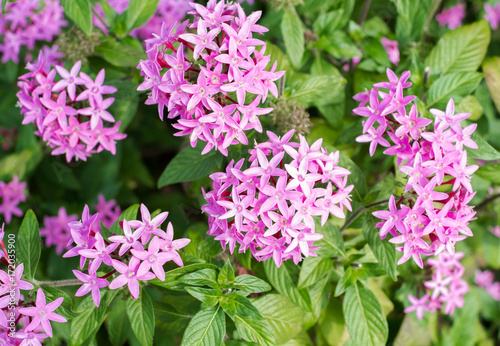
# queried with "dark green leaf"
point(348, 279)
point(173, 277)
point(118, 323)
point(283, 317)
point(207, 296)
point(411, 19)
point(490, 172)
point(226, 275)
point(313, 269)
point(332, 244)
point(281, 280)
point(189, 165)
point(364, 317)
point(293, 35)
point(129, 214)
point(455, 86)
point(28, 244)
point(207, 328)
point(142, 317)
point(65, 309)
point(126, 102)
point(250, 284)
point(139, 12)
point(89, 320)
point(202, 277)
point(312, 89)
point(383, 250)
point(119, 53)
point(80, 12)
point(484, 151)
point(460, 50)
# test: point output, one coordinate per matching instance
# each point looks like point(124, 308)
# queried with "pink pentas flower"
point(52, 106)
point(56, 230)
point(492, 14)
point(269, 208)
point(392, 49)
point(418, 305)
point(215, 93)
point(90, 283)
point(129, 276)
point(11, 194)
point(13, 283)
point(43, 313)
point(452, 16)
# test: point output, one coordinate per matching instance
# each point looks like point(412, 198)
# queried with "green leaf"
point(207, 328)
point(311, 89)
point(313, 269)
point(332, 244)
point(250, 284)
point(129, 214)
point(249, 322)
point(455, 86)
point(80, 12)
point(118, 323)
point(283, 317)
point(126, 102)
point(293, 35)
point(202, 277)
point(173, 277)
point(189, 165)
point(65, 309)
point(364, 317)
point(119, 53)
point(348, 279)
point(491, 69)
point(484, 151)
point(339, 45)
point(89, 320)
point(384, 251)
point(207, 296)
point(277, 55)
point(411, 19)
point(139, 12)
point(328, 22)
point(282, 281)
point(29, 244)
point(332, 324)
point(142, 317)
point(490, 172)
point(460, 50)
point(226, 275)
point(19, 163)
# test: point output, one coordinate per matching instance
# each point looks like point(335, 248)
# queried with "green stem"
point(355, 215)
point(58, 283)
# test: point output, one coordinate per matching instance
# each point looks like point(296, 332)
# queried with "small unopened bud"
point(75, 45)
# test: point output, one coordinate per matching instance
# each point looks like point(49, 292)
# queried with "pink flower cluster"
point(452, 16)
point(446, 285)
point(143, 247)
point(21, 323)
point(208, 88)
point(431, 159)
point(492, 14)
point(27, 21)
point(485, 279)
point(56, 109)
point(168, 11)
point(269, 207)
point(391, 47)
point(58, 233)
point(11, 195)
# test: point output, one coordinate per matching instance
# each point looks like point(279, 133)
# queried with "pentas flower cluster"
point(268, 208)
point(446, 286)
point(70, 113)
point(11, 194)
point(168, 11)
point(492, 14)
point(485, 279)
point(57, 232)
point(27, 21)
point(22, 320)
point(451, 17)
point(205, 78)
point(136, 255)
point(391, 47)
point(433, 213)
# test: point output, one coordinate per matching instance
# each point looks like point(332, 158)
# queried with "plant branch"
point(355, 215)
point(486, 201)
point(58, 283)
point(364, 11)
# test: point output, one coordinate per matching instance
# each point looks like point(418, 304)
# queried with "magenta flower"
point(492, 15)
point(90, 283)
point(14, 283)
point(128, 240)
point(418, 305)
point(95, 88)
point(11, 194)
point(153, 259)
point(69, 79)
point(148, 227)
point(43, 313)
point(100, 254)
point(56, 230)
point(129, 276)
point(452, 16)
point(392, 49)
